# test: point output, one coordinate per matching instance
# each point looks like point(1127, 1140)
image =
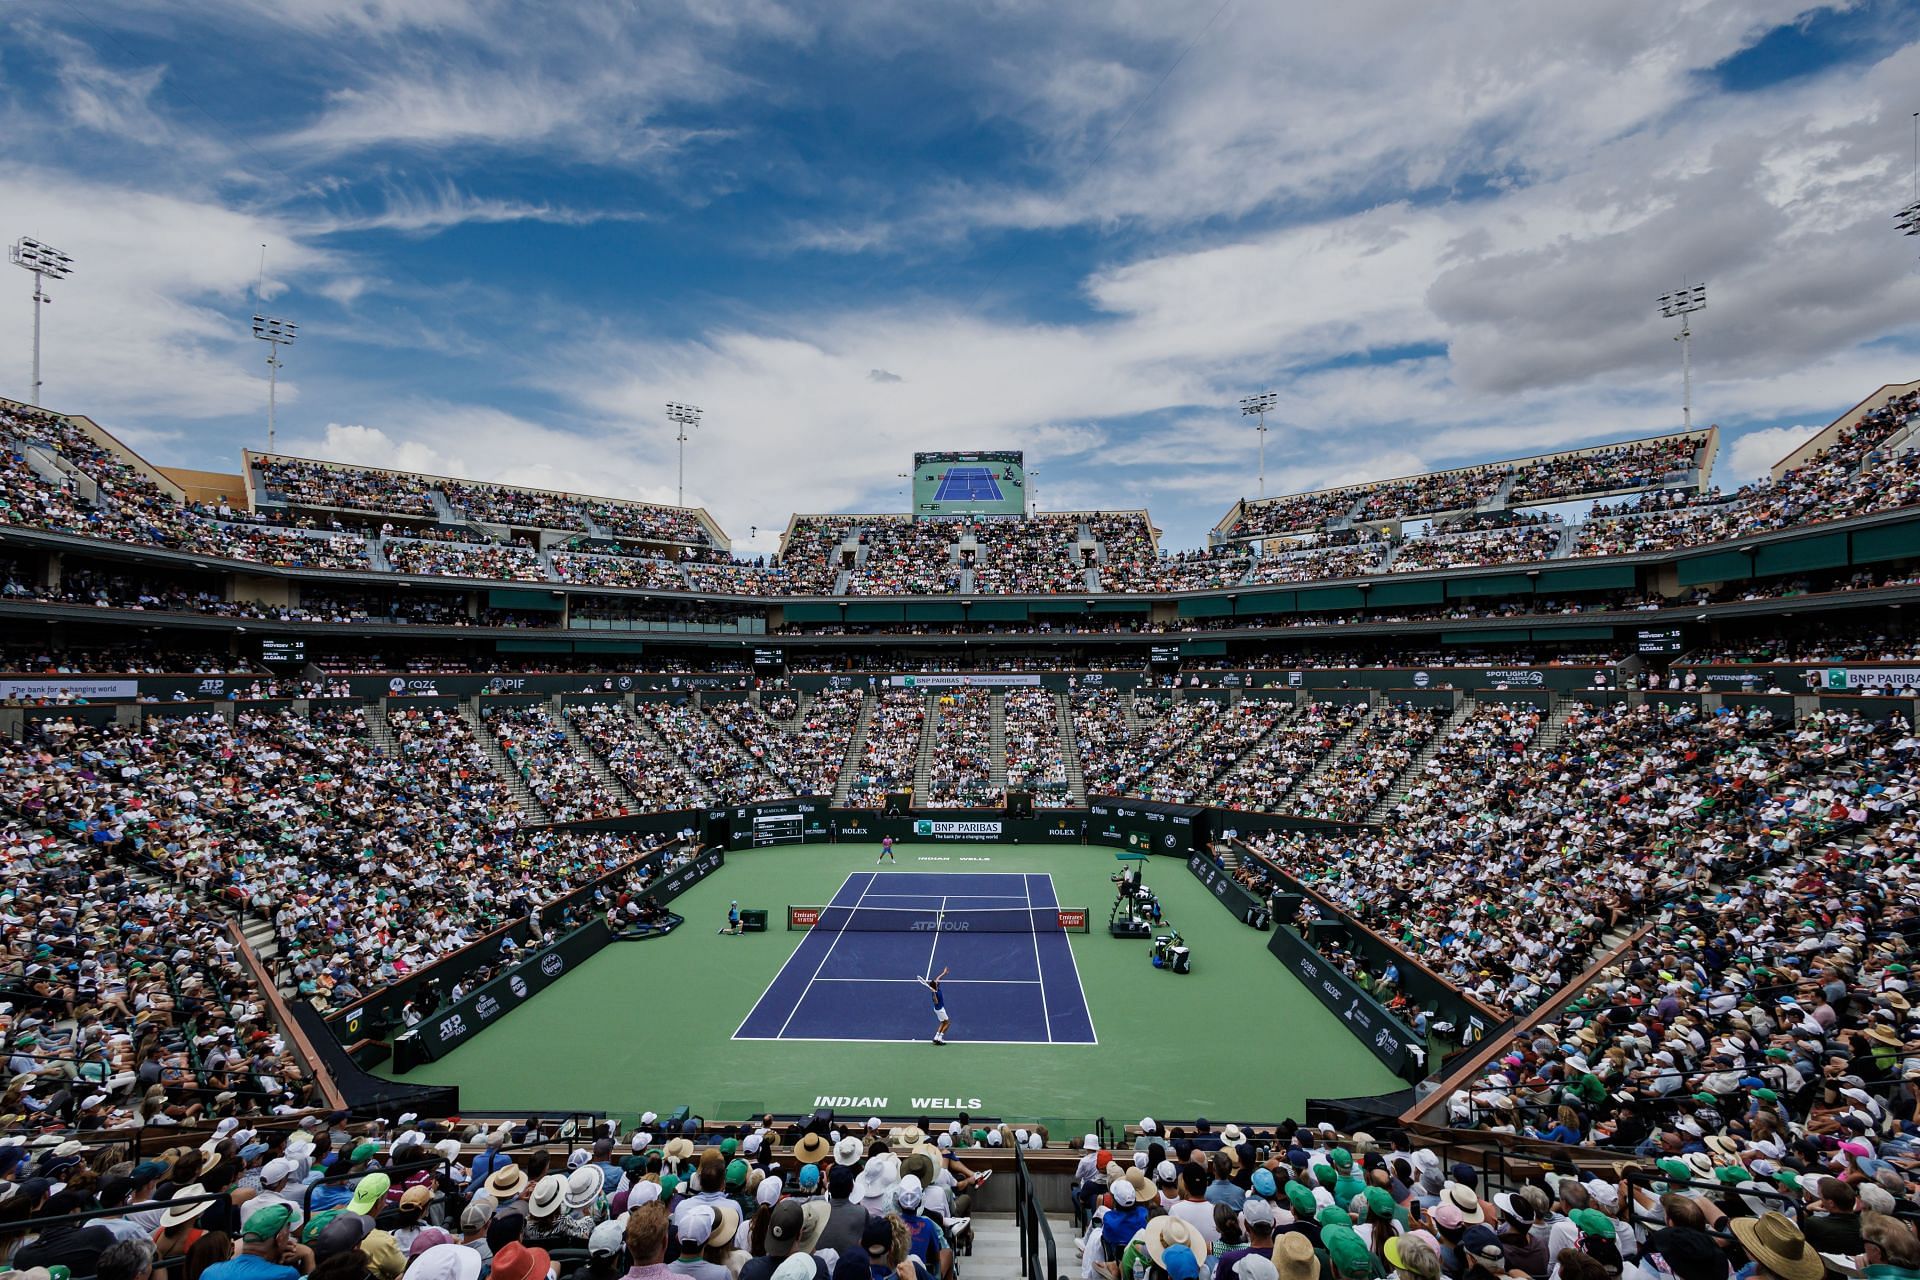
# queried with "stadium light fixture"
point(1256, 407)
point(1680, 304)
point(46, 262)
point(684, 415)
point(276, 333)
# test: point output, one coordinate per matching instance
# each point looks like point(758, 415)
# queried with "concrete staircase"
point(377, 554)
point(1326, 761)
point(923, 758)
point(997, 739)
point(503, 764)
point(1070, 748)
point(379, 732)
point(856, 747)
point(588, 756)
point(996, 1246)
point(1553, 728)
point(1416, 766)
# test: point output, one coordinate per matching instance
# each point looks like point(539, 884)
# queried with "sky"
point(510, 233)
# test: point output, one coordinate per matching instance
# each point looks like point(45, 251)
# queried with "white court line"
point(1038, 972)
point(938, 919)
point(958, 982)
point(1057, 1044)
point(840, 933)
point(1091, 1030)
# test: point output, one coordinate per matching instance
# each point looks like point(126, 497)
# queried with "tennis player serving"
point(939, 1006)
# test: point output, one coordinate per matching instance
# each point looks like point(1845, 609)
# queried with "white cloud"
point(1753, 453)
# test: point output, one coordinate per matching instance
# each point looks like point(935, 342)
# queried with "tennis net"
point(930, 920)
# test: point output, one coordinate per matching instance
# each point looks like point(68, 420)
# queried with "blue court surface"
point(968, 484)
point(849, 983)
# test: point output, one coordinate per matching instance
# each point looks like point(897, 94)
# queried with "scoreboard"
point(990, 482)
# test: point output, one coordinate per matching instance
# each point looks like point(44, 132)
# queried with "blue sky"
point(511, 232)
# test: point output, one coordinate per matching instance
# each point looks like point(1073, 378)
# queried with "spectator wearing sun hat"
point(695, 1226)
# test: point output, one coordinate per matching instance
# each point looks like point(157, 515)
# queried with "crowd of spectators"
point(560, 781)
point(1628, 466)
point(1038, 555)
point(1035, 762)
point(646, 572)
point(652, 772)
point(1267, 774)
point(804, 749)
point(302, 483)
point(1515, 545)
point(1330, 556)
point(128, 1003)
point(724, 771)
point(1361, 770)
point(1205, 740)
point(511, 562)
point(891, 749)
point(906, 557)
point(960, 769)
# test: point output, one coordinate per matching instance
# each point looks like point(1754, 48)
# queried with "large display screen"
point(985, 483)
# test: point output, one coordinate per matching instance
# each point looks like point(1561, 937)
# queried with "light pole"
point(1033, 493)
point(276, 334)
point(1907, 221)
point(1256, 407)
point(686, 415)
point(1681, 303)
point(43, 260)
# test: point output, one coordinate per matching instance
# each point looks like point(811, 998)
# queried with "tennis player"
point(733, 919)
point(886, 852)
point(939, 1006)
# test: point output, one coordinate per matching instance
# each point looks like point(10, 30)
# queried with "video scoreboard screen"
point(769, 661)
point(1659, 640)
point(283, 652)
point(985, 483)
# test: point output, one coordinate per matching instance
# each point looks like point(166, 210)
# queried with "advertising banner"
point(1364, 1018)
point(982, 680)
point(491, 1001)
point(1230, 893)
point(1146, 826)
point(1055, 826)
point(1843, 679)
point(71, 686)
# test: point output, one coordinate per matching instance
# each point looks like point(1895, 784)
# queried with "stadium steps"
point(923, 757)
point(56, 470)
point(1497, 500)
point(1288, 711)
point(1324, 762)
point(380, 733)
point(377, 554)
point(443, 510)
point(580, 747)
point(1553, 729)
point(652, 736)
point(1070, 748)
point(780, 785)
point(840, 580)
point(856, 748)
point(1416, 767)
point(996, 1245)
point(997, 739)
point(503, 764)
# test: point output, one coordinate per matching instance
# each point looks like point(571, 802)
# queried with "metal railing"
point(1038, 1260)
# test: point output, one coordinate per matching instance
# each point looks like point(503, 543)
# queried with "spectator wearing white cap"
point(275, 1177)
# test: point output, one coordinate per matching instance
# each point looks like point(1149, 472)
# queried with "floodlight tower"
point(1907, 221)
point(276, 333)
point(1256, 407)
point(46, 262)
point(1680, 304)
point(684, 415)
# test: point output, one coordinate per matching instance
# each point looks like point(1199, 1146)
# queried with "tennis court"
point(968, 484)
point(1012, 979)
